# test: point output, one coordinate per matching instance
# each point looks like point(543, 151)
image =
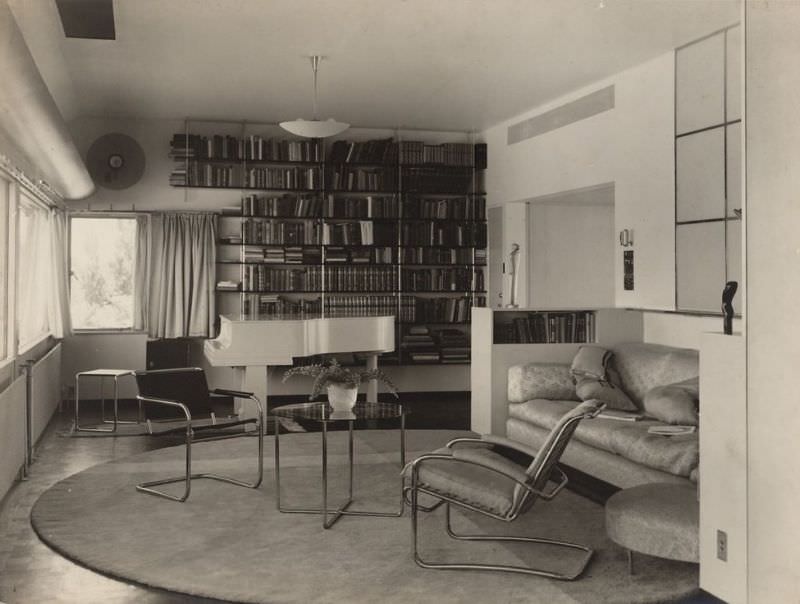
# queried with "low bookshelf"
point(496, 345)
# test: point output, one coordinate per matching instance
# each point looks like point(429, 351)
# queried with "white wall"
point(630, 146)
point(571, 255)
point(773, 291)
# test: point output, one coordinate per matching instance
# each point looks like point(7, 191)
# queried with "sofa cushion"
point(644, 366)
point(540, 380)
point(674, 403)
point(677, 455)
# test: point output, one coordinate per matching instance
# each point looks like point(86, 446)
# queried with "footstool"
point(659, 519)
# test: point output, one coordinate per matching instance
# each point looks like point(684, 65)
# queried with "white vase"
point(342, 398)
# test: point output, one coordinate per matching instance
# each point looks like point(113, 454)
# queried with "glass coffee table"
point(323, 414)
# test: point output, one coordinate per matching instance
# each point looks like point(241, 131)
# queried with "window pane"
point(102, 256)
point(33, 276)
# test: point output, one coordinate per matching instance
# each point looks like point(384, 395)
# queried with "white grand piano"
point(251, 346)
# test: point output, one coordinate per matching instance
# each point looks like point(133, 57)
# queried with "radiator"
point(12, 434)
point(44, 394)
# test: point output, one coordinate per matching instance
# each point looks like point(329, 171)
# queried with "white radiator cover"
point(12, 433)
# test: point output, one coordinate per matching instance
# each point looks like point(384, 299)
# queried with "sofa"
point(621, 453)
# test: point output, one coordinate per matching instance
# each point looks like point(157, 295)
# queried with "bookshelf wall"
point(349, 229)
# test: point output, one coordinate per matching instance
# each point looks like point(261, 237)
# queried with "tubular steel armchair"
point(470, 473)
point(186, 391)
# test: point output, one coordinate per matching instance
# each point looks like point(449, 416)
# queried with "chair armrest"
point(234, 393)
point(245, 395)
point(496, 439)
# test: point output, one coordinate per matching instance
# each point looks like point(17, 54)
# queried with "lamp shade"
point(314, 128)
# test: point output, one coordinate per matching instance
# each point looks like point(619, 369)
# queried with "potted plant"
point(340, 382)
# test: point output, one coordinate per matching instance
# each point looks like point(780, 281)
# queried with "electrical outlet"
point(722, 545)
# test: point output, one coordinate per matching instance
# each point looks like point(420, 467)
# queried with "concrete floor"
point(31, 573)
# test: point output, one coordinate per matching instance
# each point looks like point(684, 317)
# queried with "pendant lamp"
point(315, 128)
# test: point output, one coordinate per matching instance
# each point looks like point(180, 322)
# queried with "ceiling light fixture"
point(315, 128)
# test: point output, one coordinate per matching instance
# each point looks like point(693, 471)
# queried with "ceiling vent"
point(91, 19)
point(569, 113)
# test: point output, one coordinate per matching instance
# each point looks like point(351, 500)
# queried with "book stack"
point(289, 177)
point(347, 178)
point(360, 278)
point(454, 345)
point(448, 154)
point(419, 345)
point(437, 279)
point(348, 233)
point(359, 306)
point(278, 232)
point(370, 206)
point(422, 232)
point(231, 286)
point(435, 255)
point(445, 310)
point(446, 208)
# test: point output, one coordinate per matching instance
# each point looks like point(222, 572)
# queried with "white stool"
point(115, 374)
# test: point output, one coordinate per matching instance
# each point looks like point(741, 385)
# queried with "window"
point(34, 282)
point(102, 267)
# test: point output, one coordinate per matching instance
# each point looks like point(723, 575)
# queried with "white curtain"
point(58, 307)
point(33, 274)
point(141, 273)
point(182, 275)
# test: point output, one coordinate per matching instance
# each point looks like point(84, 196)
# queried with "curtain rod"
point(42, 192)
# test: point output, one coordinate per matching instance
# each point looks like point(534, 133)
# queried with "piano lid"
point(246, 342)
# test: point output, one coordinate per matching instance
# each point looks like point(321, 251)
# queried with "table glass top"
point(323, 412)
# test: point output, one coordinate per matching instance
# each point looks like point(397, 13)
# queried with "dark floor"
point(31, 573)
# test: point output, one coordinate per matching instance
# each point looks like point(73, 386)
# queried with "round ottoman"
point(659, 519)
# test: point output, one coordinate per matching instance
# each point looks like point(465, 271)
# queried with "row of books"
point(370, 206)
point(443, 310)
point(347, 178)
point(454, 345)
point(421, 345)
point(205, 175)
point(363, 232)
point(448, 154)
point(449, 208)
point(377, 255)
point(260, 278)
point(281, 255)
point(261, 305)
point(434, 180)
point(548, 328)
point(300, 206)
point(437, 255)
point(252, 147)
point(280, 232)
point(441, 279)
point(360, 306)
point(361, 278)
point(444, 233)
point(382, 151)
point(292, 177)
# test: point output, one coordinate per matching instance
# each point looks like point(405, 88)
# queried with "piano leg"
point(372, 385)
point(251, 379)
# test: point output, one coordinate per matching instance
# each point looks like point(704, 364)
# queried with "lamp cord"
point(314, 66)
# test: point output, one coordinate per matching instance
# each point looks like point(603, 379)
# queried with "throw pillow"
point(674, 403)
point(590, 362)
point(613, 396)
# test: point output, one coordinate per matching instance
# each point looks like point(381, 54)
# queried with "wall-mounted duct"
point(30, 117)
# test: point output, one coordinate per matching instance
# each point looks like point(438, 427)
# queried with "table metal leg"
point(78, 427)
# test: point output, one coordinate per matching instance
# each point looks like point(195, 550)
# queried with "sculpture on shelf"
point(727, 306)
point(513, 272)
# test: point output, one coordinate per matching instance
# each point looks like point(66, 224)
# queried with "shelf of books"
point(353, 228)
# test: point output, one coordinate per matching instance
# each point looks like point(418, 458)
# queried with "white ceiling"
point(435, 64)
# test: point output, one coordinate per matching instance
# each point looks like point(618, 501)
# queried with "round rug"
point(231, 543)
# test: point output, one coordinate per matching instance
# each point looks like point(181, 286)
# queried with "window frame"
point(99, 215)
point(7, 285)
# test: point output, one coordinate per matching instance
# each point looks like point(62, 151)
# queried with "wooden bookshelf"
point(350, 229)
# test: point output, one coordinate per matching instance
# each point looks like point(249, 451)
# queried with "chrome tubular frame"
point(188, 476)
point(115, 421)
point(513, 513)
point(331, 515)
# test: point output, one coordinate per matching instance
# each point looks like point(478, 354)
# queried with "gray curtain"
point(141, 273)
point(182, 275)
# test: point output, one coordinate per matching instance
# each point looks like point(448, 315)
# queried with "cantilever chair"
point(185, 390)
point(473, 474)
